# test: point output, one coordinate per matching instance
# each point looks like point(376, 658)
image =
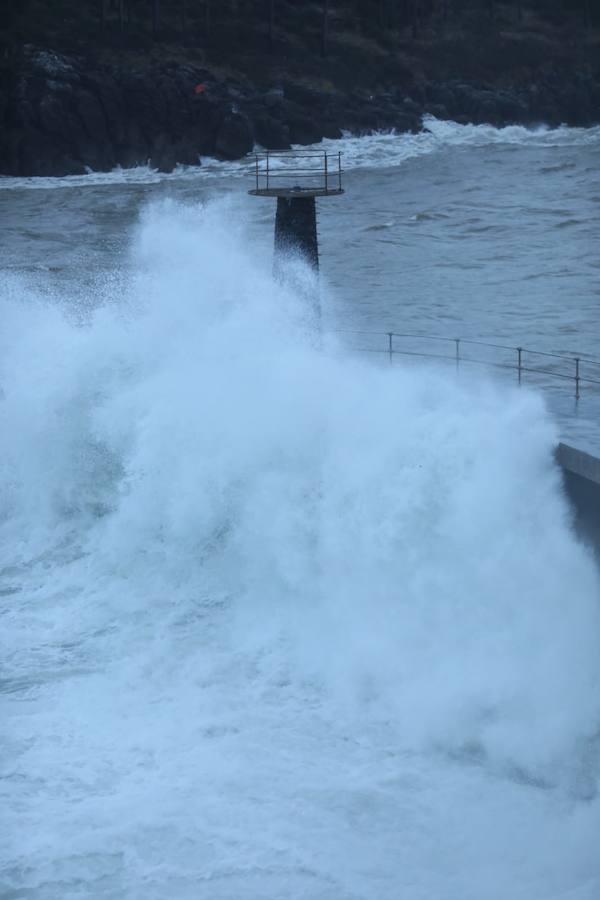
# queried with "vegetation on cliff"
point(336, 38)
point(104, 82)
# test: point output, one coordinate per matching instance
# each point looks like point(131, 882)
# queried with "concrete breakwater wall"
point(581, 473)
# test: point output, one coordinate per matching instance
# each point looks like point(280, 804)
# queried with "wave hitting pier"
point(296, 178)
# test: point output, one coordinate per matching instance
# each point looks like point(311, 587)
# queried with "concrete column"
point(296, 231)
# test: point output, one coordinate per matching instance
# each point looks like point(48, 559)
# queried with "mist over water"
point(277, 621)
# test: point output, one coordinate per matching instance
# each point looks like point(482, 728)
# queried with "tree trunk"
point(325, 31)
point(155, 18)
point(121, 16)
point(184, 16)
point(587, 14)
point(270, 20)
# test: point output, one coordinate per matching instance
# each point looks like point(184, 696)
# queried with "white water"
point(279, 623)
point(380, 150)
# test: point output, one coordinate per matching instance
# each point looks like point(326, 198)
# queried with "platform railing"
point(578, 370)
point(316, 170)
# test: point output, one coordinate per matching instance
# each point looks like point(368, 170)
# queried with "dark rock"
point(91, 140)
point(512, 110)
point(576, 104)
point(407, 122)
point(271, 133)
point(200, 137)
point(38, 156)
point(181, 151)
point(438, 110)
point(304, 130)
point(273, 98)
point(60, 114)
point(331, 131)
point(234, 137)
point(486, 111)
point(53, 112)
point(167, 154)
point(91, 114)
point(9, 154)
point(440, 95)
point(186, 154)
point(306, 97)
point(162, 155)
point(411, 107)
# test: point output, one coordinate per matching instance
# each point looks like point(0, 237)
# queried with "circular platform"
point(296, 192)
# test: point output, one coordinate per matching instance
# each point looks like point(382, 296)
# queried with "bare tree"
point(325, 28)
point(270, 21)
point(184, 20)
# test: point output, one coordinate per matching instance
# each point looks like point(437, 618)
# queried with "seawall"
point(581, 473)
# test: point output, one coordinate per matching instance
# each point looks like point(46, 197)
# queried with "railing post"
point(267, 170)
point(256, 157)
point(340, 170)
point(391, 346)
point(519, 351)
point(457, 342)
point(325, 171)
point(577, 378)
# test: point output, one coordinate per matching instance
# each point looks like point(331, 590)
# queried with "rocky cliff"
point(67, 110)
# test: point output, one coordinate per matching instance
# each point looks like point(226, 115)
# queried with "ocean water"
point(466, 232)
point(278, 620)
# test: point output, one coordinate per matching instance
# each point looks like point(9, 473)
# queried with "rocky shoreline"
point(64, 114)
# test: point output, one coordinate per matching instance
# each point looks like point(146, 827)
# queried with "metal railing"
point(579, 370)
point(316, 170)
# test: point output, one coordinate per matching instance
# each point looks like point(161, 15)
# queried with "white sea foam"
point(278, 622)
point(380, 150)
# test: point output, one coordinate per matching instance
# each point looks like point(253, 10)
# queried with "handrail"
point(439, 337)
point(295, 153)
point(392, 349)
point(325, 174)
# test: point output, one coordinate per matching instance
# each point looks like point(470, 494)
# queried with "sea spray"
point(281, 622)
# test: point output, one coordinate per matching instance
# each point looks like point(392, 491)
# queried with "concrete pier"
point(581, 472)
point(579, 463)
